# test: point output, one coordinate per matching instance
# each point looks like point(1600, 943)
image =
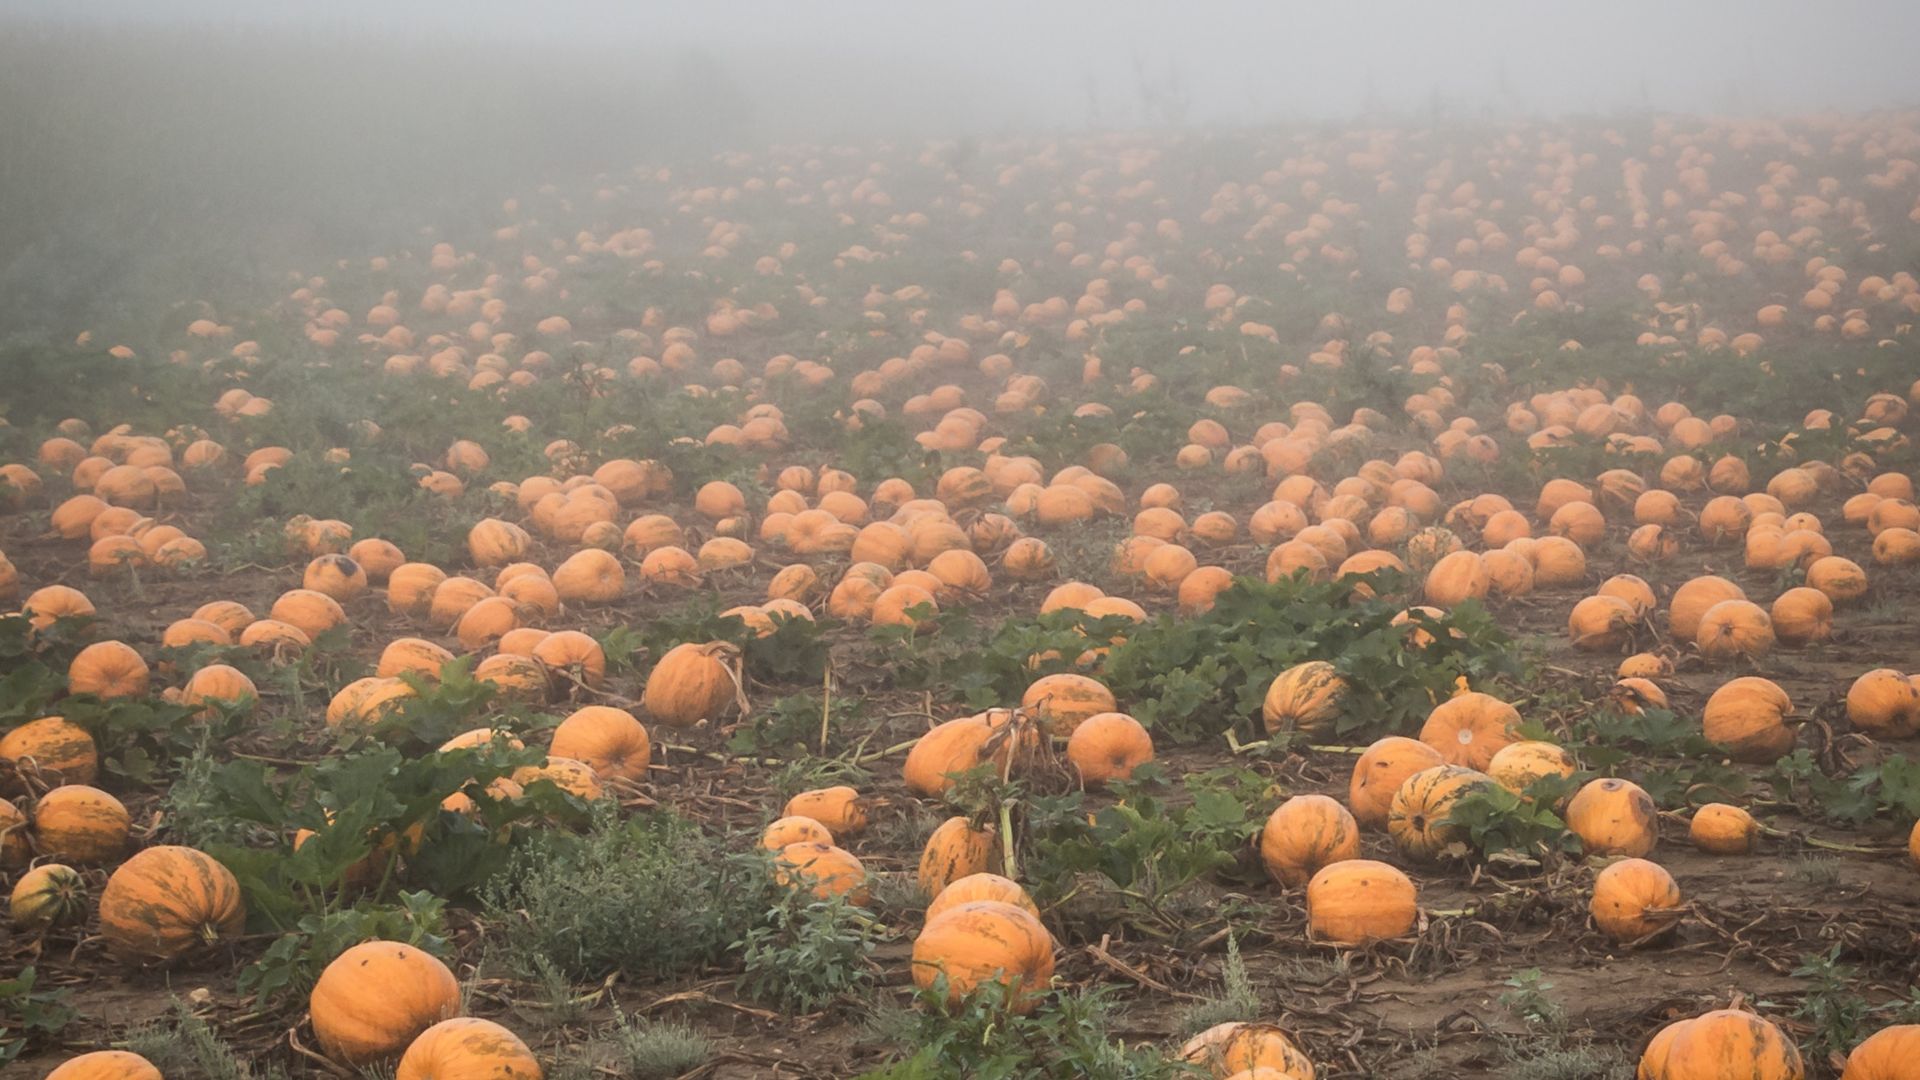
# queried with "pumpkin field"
point(1418, 600)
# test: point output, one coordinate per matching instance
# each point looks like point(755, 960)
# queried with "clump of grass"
point(182, 1044)
point(657, 1049)
point(653, 895)
point(1817, 871)
point(1534, 1060)
point(1237, 999)
point(809, 952)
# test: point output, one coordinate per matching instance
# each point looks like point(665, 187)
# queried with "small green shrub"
point(809, 952)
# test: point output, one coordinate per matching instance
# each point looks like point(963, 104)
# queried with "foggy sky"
point(995, 65)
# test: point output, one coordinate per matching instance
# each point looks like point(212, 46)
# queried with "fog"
point(240, 136)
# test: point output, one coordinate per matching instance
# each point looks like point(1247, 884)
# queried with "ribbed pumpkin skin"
point(81, 824)
point(825, 869)
point(1381, 770)
point(1747, 717)
point(981, 886)
point(1709, 1046)
point(955, 850)
point(1304, 834)
point(1307, 697)
point(1622, 895)
point(48, 895)
point(606, 739)
point(377, 997)
point(958, 745)
point(1062, 702)
point(982, 941)
point(1614, 817)
point(1421, 807)
point(61, 750)
point(839, 808)
point(1469, 729)
point(1356, 901)
point(468, 1048)
point(169, 901)
point(1721, 829)
point(106, 1065)
point(690, 684)
point(1887, 1054)
point(1236, 1047)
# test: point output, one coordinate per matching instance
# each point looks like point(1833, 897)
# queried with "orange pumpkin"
point(467, 1048)
point(984, 941)
point(958, 745)
point(1247, 1050)
point(1108, 746)
point(1707, 1046)
point(823, 869)
point(1883, 703)
point(1304, 834)
point(1633, 900)
point(1747, 717)
point(1887, 1054)
point(607, 740)
point(1468, 729)
point(1802, 616)
point(1062, 702)
point(108, 669)
point(376, 998)
point(841, 809)
point(55, 749)
point(693, 683)
point(1691, 601)
point(1309, 698)
point(1721, 829)
point(955, 850)
point(1379, 772)
point(1614, 817)
point(1419, 821)
point(167, 902)
point(1356, 901)
point(981, 886)
point(1518, 765)
point(106, 1065)
point(80, 824)
point(1734, 629)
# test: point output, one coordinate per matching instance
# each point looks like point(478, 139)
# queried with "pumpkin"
point(376, 998)
point(1061, 702)
point(337, 576)
point(1633, 900)
point(1418, 820)
point(108, 669)
point(1308, 697)
point(1614, 817)
point(366, 702)
point(1802, 616)
point(1883, 703)
point(81, 824)
point(55, 749)
point(1692, 600)
point(1720, 829)
point(983, 941)
point(1557, 562)
point(955, 850)
point(573, 654)
point(411, 588)
point(1601, 623)
point(794, 830)
point(1379, 772)
point(1518, 765)
point(1747, 718)
point(824, 869)
point(1725, 1044)
point(1304, 834)
point(955, 746)
point(47, 605)
point(693, 683)
point(411, 655)
point(217, 686)
point(167, 902)
point(15, 850)
point(980, 886)
point(1241, 1049)
point(1356, 901)
point(467, 1048)
point(1734, 629)
point(1468, 729)
point(106, 1065)
point(607, 740)
point(590, 576)
point(841, 809)
point(1108, 746)
point(1887, 1054)
point(492, 542)
point(48, 895)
